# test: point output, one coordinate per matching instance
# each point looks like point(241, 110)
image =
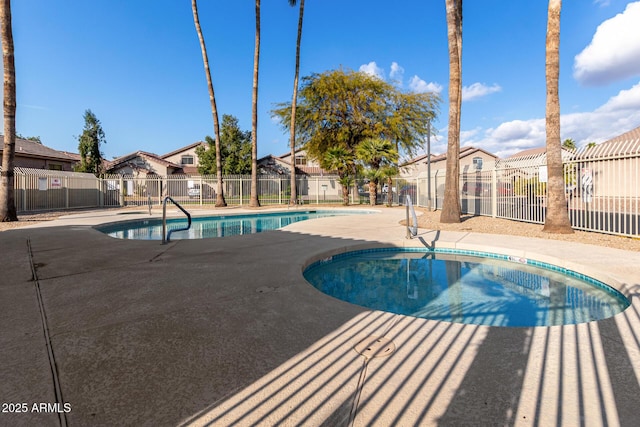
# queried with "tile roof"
point(288, 153)
point(529, 152)
point(27, 148)
point(279, 165)
point(145, 155)
point(179, 150)
point(106, 164)
point(416, 160)
point(624, 144)
point(632, 135)
point(464, 152)
point(190, 170)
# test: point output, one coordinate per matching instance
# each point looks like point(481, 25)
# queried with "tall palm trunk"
point(220, 202)
point(373, 192)
point(7, 191)
point(557, 217)
point(345, 182)
point(254, 202)
point(292, 132)
point(345, 194)
point(451, 204)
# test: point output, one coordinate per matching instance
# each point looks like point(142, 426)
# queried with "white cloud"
point(509, 137)
point(516, 130)
point(396, 73)
point(372, 69)
point(416, 84)
point(624, 100)
point(614, 51)
point(602, 3)
point(478, 90)
point(619, 114)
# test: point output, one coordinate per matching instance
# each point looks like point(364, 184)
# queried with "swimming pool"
point(465, 287)
point(215, 226)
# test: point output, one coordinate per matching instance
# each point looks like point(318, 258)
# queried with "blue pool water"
point(457, 287)
point(214, 226)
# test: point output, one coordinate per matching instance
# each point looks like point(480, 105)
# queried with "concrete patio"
point(227, 332)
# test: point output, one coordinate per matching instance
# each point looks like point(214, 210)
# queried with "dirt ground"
point(484, 224)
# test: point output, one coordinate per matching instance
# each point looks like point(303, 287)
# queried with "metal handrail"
point(412, 229)
point(166, 236)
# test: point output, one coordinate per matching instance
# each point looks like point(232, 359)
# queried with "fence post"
point(435, 191)
point(24, 192)
point(494, 193)
point(99, 187)
point(66, 192)
point(121, 191)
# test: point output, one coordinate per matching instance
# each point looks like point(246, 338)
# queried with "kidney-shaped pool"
point(216, 226)
point(465, 287)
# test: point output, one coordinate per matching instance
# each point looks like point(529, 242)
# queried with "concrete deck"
point(228, 332)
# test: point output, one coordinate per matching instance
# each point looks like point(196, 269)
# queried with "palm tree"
point(7, 192)
point(220, 202)
point(292, 132)
point(376, 153)
point(253, 201)
point(387, 173)
point(342, 161)
point(451, 205)
point(557, 217)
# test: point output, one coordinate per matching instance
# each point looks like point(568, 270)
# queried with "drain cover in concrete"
point(371, 347)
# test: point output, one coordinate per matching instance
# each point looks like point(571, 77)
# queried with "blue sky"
point(137, 65)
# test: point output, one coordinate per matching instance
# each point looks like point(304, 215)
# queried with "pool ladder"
point(166, 236)
point(412, 227)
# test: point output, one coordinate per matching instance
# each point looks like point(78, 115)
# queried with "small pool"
point(215, 226)
point(465, 287)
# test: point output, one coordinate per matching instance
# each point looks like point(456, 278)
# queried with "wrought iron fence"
point(202, 190)
point(602, 189)
point(39, 190)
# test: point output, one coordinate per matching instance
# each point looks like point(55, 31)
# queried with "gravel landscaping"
point(484, 224)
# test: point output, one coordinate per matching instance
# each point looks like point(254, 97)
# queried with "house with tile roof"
point(184, 160)
point(624, 144)
point(303, 163)
point(472, 159)
point(31, 154)
point(142, 163)
point(612, 167)
point(145, 174)
point(606, 171)
point(532, 157)
point(281, 165)
point(186, 157)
